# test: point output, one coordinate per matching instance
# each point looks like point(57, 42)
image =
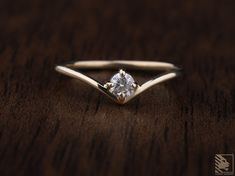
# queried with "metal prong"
point(122, 72)
point(134, 85)
point(108, 85)
point(121, 97)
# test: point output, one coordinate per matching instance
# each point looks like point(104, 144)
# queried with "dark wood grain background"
point(52, 125)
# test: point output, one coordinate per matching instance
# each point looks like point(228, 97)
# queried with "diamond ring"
point(122, 87)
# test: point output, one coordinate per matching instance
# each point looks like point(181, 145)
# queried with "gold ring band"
point(122, 87)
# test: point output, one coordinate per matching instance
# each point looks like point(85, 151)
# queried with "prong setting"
point(121, 85)
point(134, 85)
point(108, 85)
point(121, 97)
point(122, 72)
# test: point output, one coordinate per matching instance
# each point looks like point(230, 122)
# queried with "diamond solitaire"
point(122, 85)
point(121, 88)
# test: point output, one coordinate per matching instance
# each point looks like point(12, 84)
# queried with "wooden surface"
point(52, 125)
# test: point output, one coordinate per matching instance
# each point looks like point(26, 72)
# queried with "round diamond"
point(122, 85)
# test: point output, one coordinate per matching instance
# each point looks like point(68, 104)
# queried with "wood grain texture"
point(52, 125)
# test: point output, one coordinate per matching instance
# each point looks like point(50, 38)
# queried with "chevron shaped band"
point(122, 87)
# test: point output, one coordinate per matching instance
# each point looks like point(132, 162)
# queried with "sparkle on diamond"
point(122, 85)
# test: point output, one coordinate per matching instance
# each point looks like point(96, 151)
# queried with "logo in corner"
point(224, 164)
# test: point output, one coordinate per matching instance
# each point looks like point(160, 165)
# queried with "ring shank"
point(127, 64)
point(171, 71)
